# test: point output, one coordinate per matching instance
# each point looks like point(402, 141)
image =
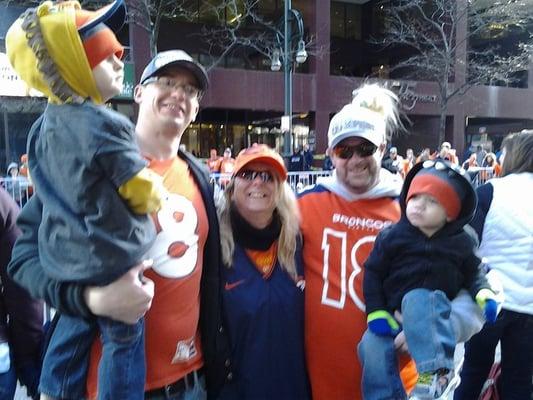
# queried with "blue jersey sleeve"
point(484, 194)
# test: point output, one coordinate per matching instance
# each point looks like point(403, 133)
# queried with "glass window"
point(237, 137)
point(235, 10)
point(346, 20)
point(266, 7)
point(353, 21)
point(235, 62)
point(337, 19)
point(191, 139)
point(380, 23)
point(212, 12)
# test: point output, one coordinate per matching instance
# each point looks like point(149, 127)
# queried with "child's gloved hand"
point(382, 323)
point(144, 192)
point(487, 301)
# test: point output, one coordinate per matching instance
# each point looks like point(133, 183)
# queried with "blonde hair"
point(287, 210)
point(383, 102)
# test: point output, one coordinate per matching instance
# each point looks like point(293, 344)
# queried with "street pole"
point(287, 62)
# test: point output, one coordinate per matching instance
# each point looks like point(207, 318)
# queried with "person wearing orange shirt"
point(340, 219)
point(447, 153)
point(227, 166)
point(424, 155)
point(186, 346)
point(490, 162)
point(407, 163)
point(213, 162)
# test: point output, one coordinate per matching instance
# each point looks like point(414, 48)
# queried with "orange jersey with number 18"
point(338, 236)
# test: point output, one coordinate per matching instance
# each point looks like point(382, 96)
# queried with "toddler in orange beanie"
point(417, 267)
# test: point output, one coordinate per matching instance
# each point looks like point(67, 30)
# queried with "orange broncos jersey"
point(172, 341)
point(338, 236)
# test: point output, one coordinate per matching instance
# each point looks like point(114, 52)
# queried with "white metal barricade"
point(297, 180)
point(19, 188)
point(480, 175)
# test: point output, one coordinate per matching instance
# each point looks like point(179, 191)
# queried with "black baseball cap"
point(178, 58)
point(112, 15)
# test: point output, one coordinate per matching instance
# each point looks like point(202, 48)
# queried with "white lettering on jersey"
point(356, 270)
point(331, 237)
point(360, 223)
point(336, 242)
point(175, 250)
point(185, 350)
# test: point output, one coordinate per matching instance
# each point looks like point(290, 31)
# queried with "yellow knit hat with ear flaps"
point(61, 52)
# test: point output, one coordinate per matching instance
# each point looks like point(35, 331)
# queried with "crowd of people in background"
point(16, 180)
point(262, 293)
point(303, 159)
point(479, 171)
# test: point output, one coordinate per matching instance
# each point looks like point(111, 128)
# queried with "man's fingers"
point(148, 287)
point(139, 269)
point(400, 343)
point(398, 316)
point(147, 264)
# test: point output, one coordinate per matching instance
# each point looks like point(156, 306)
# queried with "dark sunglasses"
point(250, 175)
point(362, 150)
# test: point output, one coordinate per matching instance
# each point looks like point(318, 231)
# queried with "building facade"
point(246, 99)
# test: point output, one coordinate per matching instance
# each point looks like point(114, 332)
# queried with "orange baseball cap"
point(261, 153)
point(97, 31)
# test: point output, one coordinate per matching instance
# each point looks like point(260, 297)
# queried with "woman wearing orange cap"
point(263, 296)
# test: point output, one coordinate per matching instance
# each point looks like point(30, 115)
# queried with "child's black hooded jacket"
point(404, 258)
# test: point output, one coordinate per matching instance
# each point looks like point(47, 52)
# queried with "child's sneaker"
point(425, 378)
point(435, 385)
point(422, 388)
point(441, 383)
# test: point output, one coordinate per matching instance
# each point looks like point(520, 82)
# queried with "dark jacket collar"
point(215, 342)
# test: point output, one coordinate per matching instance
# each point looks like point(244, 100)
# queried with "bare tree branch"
point(236, 27)
point(427, 31)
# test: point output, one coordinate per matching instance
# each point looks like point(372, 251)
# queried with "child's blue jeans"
point(8, 383)
point(430, 338)
point(121, 371)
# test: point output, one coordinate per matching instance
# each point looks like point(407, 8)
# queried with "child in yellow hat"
point(92, 181)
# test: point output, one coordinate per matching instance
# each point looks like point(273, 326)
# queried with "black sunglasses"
point(250, 175)
point(364, 149)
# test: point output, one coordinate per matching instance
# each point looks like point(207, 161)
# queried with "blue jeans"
point(428, 330)
point(515, 332)
point(196, 391)
point(8, 383)
point(121, 372)
point(430, 338)
point(381, 378)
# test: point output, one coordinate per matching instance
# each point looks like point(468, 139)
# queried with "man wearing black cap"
point(185, 339)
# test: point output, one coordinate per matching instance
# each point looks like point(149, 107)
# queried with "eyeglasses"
point(364, 149)
point(165, 82)
point(444, 166)
point(250, 175)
